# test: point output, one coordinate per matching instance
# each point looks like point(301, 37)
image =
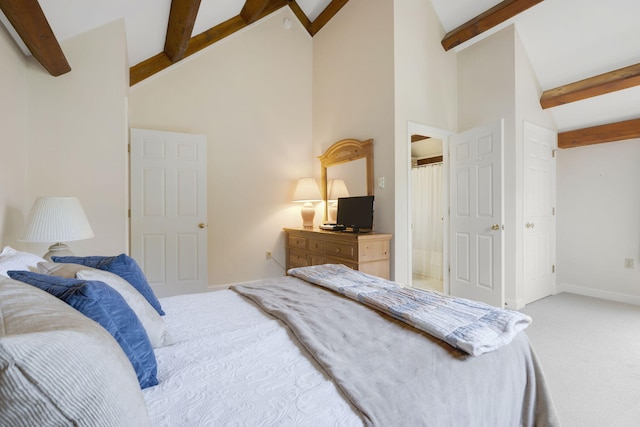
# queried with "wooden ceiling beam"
point(252, 9)
point(416, 137)
point(485, 21)
point(326, 15)
point(302, 17)
point(159, 62)
point(612, 81)
point(252, 12)
point(214, 34)
point(148, 68)
point(619, 131)
point(272, 6)
point(182, 17)
point(429, 160)
point(27, 18)
point(230, 26)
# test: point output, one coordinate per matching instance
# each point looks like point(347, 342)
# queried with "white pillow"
point(58, 367)
point(152, 322)
point(149, 317)
point(10, 259)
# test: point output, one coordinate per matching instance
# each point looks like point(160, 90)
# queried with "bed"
point(285, 351)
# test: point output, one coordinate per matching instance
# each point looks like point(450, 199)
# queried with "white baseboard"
point(563, 287)
point(599, 293)
point(227, 285)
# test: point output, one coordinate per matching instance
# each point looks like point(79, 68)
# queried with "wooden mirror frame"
point(343, 151)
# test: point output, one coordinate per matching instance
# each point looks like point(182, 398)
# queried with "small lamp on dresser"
point(336, 188)
point(307, 192)
point(56, 219)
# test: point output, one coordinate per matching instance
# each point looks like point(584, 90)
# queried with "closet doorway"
point(427, 212)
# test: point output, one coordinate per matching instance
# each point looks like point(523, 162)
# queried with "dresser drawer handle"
point(337, 250)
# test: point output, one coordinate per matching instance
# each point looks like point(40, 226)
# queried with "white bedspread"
point(242, 370)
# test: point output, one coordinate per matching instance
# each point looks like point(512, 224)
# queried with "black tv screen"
point(355, 213)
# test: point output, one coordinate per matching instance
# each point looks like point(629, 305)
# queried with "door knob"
point(202, 225)
point(529, 225)
point(495, 227)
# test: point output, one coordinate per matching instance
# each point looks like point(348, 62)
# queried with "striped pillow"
point(48, 358)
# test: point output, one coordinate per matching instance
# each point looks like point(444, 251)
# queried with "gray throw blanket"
point(471, 326)
point(396, 375)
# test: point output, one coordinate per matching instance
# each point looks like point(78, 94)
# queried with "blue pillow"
point(122, 265)
point(106, 306)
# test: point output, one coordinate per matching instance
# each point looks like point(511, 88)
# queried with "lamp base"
point(57, 249)
point(307, 212)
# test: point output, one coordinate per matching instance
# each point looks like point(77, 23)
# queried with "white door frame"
point(419, 128)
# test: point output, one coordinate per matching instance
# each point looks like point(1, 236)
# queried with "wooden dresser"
point(367, 252)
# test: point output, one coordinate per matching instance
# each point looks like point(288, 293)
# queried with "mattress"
point(231, 364)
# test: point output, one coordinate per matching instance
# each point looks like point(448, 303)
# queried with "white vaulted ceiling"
point(145, 20)
point(565, 40)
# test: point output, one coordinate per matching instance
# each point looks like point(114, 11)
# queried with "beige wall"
point(77, 136)
point(377, 66)
point(425, 93)
point(599, 220)
point(486, 81)
point(425, 74)
point(250, 94)
point(353, 91)
point(13, 140)
point(66, 136)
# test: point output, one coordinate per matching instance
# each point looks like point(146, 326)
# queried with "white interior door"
point(539, 211)
point(476, 203)
point(169, 209)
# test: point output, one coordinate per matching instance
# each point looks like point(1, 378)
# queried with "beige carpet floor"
point(590, 353)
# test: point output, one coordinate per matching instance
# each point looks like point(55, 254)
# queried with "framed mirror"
point(351, 162)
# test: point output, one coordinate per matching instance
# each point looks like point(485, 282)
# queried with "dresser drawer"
point(317, 259)
point(297, 258)
point(316, 245)
point(297, 242)
point(374, 250)
point(341, 250)
point(368, 252)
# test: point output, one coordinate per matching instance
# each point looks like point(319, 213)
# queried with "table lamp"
point(56, 219)
point(307, 192)
point(336, 188)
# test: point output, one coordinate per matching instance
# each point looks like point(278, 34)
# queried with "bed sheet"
point(231, 364)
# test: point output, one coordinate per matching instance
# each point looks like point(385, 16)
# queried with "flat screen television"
point(355, 214)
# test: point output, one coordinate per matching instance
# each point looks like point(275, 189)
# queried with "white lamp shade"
point(57, 219)
point(307, 191)
point(337, 189)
